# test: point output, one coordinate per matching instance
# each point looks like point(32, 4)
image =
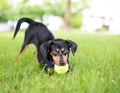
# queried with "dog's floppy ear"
point(44, 49)
point(72, 45)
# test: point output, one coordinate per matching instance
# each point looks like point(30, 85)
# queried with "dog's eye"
point(65, 54)
point(54, 53)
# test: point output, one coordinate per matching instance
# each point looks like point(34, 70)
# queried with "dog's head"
point(58, 50)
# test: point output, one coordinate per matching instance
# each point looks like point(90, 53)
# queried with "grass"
point(95, 66)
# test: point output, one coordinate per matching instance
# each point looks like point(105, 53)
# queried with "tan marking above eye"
point(57, 49)
point(63, 49)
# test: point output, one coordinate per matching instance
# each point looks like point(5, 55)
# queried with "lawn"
point(95, 66)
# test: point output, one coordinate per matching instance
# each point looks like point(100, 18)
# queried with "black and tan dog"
point(50, 51)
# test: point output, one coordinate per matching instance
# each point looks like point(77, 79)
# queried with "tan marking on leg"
point(35, 53)
point(20, 55)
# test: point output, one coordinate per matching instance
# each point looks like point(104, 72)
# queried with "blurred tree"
point(70, 10)
point(68, 15)
point(76, 7)
point(4, 7)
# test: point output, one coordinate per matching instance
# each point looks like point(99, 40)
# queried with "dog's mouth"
point(62, 64)
point(58, 63)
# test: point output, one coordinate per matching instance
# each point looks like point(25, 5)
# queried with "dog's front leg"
point(48, 67)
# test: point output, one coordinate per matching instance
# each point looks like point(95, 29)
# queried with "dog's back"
point(36, 28)
point(36, 33)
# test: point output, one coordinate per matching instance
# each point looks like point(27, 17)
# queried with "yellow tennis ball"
point(61, 69)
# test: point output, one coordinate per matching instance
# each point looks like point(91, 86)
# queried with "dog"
point(50, 51)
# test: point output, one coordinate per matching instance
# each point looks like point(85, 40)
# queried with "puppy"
point(50, 51)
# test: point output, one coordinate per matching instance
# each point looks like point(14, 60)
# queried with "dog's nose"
point(61, 60)
point(62, 63)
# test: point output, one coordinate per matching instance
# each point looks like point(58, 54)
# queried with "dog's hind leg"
point(24, 47)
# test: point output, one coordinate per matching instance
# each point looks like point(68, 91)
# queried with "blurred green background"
point(37, 9)
point(87, 15)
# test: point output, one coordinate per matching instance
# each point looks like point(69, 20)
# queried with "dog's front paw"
point(50, 70)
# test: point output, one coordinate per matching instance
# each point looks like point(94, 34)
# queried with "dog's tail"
point(20, 21)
